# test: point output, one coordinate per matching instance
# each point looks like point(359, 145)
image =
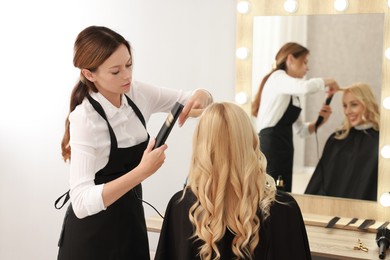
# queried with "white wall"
point(182, 44)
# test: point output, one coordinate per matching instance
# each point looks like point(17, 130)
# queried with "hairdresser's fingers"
point(184, 114)
point(333, 88)
point(152, 141)
point(200, 99)
point(152, 160)
point(195, 112)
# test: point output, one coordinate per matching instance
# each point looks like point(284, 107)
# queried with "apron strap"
point(101, 112)
point(67, 197)
point(136, 110)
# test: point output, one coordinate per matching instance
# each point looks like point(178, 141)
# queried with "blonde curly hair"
point(228, 178)
point(363, 93)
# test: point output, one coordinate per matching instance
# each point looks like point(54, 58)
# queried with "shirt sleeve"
point(152, 99)
point(285, 84)
point(301, 128)
point(86, 197)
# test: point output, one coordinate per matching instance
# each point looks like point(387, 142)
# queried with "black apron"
point(277, 145)
point(119, 232)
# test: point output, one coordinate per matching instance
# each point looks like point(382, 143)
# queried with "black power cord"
point(136, 195)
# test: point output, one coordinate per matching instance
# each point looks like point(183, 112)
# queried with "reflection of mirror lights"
point(385, 152)
point(341, 5)
point(388, 3)
point(291, 6)
point(385, 199)
point(387, 52)
point(386, 103)
point(241, 98)
point(242, 53)
point(243, 7)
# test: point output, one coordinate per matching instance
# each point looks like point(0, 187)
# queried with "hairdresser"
point(108, 147)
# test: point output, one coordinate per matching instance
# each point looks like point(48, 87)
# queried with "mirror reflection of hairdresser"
point(277, 108)
point(356, 141)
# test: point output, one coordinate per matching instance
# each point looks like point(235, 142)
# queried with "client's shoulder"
point(284, 200)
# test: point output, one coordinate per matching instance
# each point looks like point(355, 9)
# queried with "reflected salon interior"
point(226, 47)
point(335, 32)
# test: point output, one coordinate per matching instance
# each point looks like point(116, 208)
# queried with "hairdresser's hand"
point(152, 159)
point(332, 85)
point(325, 113)
point(195, 104)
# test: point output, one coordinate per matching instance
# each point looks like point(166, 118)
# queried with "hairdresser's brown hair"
point(93, 46)
point(293, 48)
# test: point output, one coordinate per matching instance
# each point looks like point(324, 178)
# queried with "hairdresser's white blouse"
point(276, 96)
point(90, 139)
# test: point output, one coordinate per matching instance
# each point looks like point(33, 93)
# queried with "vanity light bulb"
point(385, 151)
point(241, 98)
point(384, 200)
point(387, 52)
point(386, 103)
point(243, 7)
point(291, 6)
point(341, 5)
point(242, 53)
point(388, 3)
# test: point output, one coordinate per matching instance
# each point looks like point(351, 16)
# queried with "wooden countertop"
point(336, 243)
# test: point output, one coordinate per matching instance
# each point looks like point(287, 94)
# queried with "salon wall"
point(180, 44)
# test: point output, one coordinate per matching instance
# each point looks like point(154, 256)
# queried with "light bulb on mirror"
point(340, 5)
point(242, 53)
point(387, 53)
point(291, 6)
point(384, 200)
point(241, 98)
point(243, 7)
point(388, 3)
point(385, 151)
point(386, 103)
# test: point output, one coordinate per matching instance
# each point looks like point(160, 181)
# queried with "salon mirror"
point(320, 11)
point(337, 50)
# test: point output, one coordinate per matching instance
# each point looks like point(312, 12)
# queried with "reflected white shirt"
point(90, 140)
point(276, 96)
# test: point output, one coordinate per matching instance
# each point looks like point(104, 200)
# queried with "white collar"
point(364, 126)
point(108, 107)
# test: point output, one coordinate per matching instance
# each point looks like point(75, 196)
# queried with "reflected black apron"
point(277, 145)
point(119, 232)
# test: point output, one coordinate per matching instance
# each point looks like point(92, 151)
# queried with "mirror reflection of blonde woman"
point(356, 141)
point(230, 208)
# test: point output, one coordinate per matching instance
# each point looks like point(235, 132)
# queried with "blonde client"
point(230, 208)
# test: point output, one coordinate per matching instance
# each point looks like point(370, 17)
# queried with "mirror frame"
point(322, 205)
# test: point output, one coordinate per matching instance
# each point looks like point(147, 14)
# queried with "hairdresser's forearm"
point(115, 189)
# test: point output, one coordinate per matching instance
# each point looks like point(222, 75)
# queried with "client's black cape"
point(282, 235)
point(348, 168)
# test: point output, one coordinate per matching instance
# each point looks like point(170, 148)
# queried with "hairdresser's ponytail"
point(79, 92)
point(256, 101)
